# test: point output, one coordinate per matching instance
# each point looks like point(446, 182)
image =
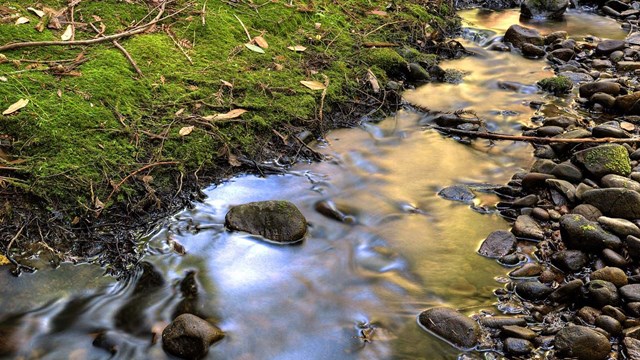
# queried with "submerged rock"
point(498, 244)
point(280, 221)
point(452, 326)
point(189, 337)
point(543, 9)
point(457, 193)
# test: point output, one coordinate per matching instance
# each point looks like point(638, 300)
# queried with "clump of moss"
point(557, 85)
point(386, 59)
point(613, 157)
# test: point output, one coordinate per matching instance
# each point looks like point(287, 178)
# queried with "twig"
point(14, 238)
point(204, 9)
point(383, 25)
point(241, 23)
point(324, 94)
point(72, 10)
point(148, 166)
point(534, 139)
point(168, 31)
point(370, 44)
point(134, 31)
point(128, 56)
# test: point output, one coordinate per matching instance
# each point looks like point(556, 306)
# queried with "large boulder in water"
point(189, 337)
point(451, 325)
point(518, 35)
point(543, 9)
point(279, 221)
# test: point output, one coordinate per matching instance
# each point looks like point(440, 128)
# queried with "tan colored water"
point(408, 249)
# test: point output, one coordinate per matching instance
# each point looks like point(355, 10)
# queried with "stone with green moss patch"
point(605, 159)
point(556, 85)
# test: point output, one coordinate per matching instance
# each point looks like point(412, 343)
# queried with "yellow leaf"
point(378, 12)
point(297, 48)
point(226, 83)
point(227, 116)
point(186, 130)
point(67, 33)
point(22, 20)
point(179, 112)
point(313, 85)
point(373, 80)
point(261, 42)
point(4, 260)
point(16, 106)
point(40, 13)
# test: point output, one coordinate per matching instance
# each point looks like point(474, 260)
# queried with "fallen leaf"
point(179, 112)
point(3, 59)
point(377, 12)
point(317, 26)
point(230, 115)
point(40, 13)
point(233, 160)
point(22, 20)
point(278, 67)
point(96, 17)
point(3, 79)
point(297, 48)
point(254, 48)
point(99, 205)
point(54, 23)
point(313, 85)
point(147, 179)
point(42, 24)
point(59, 93)
point(186, 130)
point(4, 260)
point(67, 33)
point(226, 83)
point(261, 42)
point(75, 221)
point(373, 80)
point(16, 106)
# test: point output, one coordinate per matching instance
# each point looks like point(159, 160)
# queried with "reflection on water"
point(349, 290)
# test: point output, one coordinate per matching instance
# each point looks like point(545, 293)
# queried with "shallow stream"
point(349, 290)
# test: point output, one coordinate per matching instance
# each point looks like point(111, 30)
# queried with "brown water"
point(407, 249)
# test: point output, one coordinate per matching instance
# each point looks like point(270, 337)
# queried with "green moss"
point(614, 158)
point(386, 59)
point(557, 85)
point(588, 228)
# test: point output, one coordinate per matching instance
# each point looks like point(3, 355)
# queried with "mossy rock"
point(279, 221)
point(388, 60)
point(557, 85)
point(605, 159)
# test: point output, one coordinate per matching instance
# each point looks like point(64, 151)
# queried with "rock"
point(600, 64)
point(631, 292)
point(564, 187)
point(189, 337)
point(417, 73)
point(620, 227)
point(544, 166)
point(527, 270)
point(567, 292)
point(532, 51)
point(280, 221)
point(606, 47)
point(451, 325)
point(533, 181)
point(588, 314)
point(533, 290)
point(633, 38)
point(497, 322)
point(614, 202)
point(519, 332)
point(617, 181)
point(543, 9)
point(628, 65)
point(612, 258)
point(633, 348)
point(589, 212)
point(540, 214)
point(607, 130)
point(527, 201)
point(514, 346)
point(498, 244)
point(633, 246)
point(632, 332)
point(548, 131)
point(569, 260)
point(457, 193)
point(526, 227)
point(580, 233)
point(607, 87)
point(614, 312)
point(627, 104)
point(605, 159)
point(576, 77)
point(609, 324)
point(567, 171)
point(609, 11)
point(573, 134)
point(561, 121)
point(602, 293)
point(556, 35)
point(582, 343)
point(613, 275)
point(616, 5)
point(564, 55)
point(518, 35)
point(606, 100)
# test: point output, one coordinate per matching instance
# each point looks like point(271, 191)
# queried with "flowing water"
point(350, 290)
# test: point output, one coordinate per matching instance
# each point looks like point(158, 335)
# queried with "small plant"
point(557, 85)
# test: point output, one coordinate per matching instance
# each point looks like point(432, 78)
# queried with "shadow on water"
point(381, 246)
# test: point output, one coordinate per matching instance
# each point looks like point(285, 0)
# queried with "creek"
point(349, 290)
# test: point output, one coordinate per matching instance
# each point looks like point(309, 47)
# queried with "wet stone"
point(632, 347)
point(544, 166)
point(607, 130)
point(605, 159)
point(189, 337)
point(613, 275)
point(527, 270)
point(602, 293)
point(632, 332)
point(583, 343)
point(620, 227)
point(567, 171)
point(540, 214)
point(614, 312)
point(568, 292)
point(514, 346)
point(451, 325)
point(498, 244)
point(279, 221)
point(533, 290)
point(561, 121)
point(589, 212)
point(606, 47)
point(588, 314)
point(631, 293)
point(533, 181)
point(527, 201)
point(564, 187)
point(544, 152)
point(633, 309)
point(519, 332)
point(526, 227)
point(609, 324)
point(460, 193)
point(614, 202)
point(606, 87)
point(617, 181)
point(511, 259)
point(633, 246)
point(532, 51)
point(497, 322)
point(627, 104)
point(569, 260)
point(518, 35)
point(563, 54)
point(580, 233)
point(612, 258)
point(576, 77)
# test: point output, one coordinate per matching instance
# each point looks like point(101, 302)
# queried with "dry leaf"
point(230, 115)
point(59, 93)
point(3, 58)
point(16, 106)
point(99, 205)
point(377, 12)
point(147, 179)
point(4, 260)
point(40, 13)
point(96, 17)
point(373, 80)
point(233, 160)
point(261, 42)
point(313, 85)
point(75, 221)
point(54, 23)
point(3, 79)
point(22, 20)
point(297, 48)
point(42, 23)
point(254, 48)
point(179, 112)
point(226, 83)
point(67, 33)
point(186, 130)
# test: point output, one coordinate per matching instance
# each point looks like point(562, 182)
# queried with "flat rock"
point(189, 337)
point(633, 38)
point(564, 187)
point(620, 227)
point(451, 325)
point(279, 221)
point(627, 104)
point(607, 130)
point(498, 244)
point(528, 228)
point(580, 233)
point(567, 171)
point(631, 292)
point(532, 51)
point(589, 212)
point(516, 346)
point(633, 348)
point(607, 87)
point(457, 193)
point(569, 260)
point(518, 35)
point(582, 343)
point(617, 181)
point(576, 77)
point(533, 290)
point(605, 159)
point(498, 322)
point(563, 54)
point(606, 47)
point(614, 202)
point(527, 270)
point(628, 65)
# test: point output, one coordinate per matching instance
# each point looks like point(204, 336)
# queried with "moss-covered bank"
point(99, 148)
